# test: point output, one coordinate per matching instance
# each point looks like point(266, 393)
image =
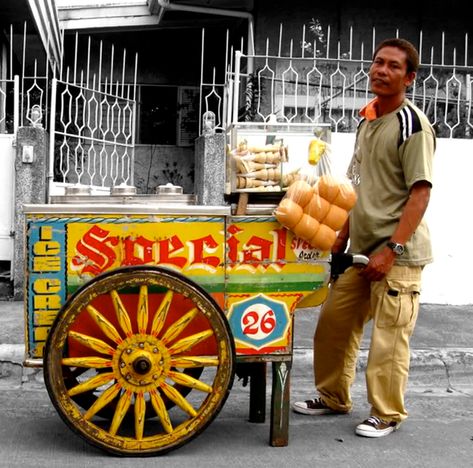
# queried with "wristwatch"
point(398, 249)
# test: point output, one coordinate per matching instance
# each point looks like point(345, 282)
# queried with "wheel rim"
point(134, 338)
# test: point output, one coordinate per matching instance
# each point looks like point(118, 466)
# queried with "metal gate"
point(319, 81)
point(92, 126)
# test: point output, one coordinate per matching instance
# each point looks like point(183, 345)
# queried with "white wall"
point(450, 212)
point(7, 177)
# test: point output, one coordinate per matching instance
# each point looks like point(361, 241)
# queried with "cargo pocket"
point(396, 303)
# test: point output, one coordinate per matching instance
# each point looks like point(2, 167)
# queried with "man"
point(391, 170)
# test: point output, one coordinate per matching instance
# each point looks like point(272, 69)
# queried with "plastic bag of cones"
point(316, 212)
point(258, 166)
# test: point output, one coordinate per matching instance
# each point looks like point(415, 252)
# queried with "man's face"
point(388, 72)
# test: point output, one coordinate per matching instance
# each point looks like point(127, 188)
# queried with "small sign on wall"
point(27, 155)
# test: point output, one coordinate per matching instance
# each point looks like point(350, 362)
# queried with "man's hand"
point(379, 265)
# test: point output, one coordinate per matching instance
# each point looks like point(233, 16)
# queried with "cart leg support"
point(258, 392)
point(279, 430)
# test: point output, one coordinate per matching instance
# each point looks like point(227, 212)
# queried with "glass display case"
point(267, 157)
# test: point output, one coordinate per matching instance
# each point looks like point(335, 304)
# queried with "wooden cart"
point(141, 314)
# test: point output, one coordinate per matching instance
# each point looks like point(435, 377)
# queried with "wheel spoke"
point(122, 315)
point(161, 411)
point(91, 362)
point(178, 326)
point(142, 314)
point(108, 329)
point(91, 384)
point(161, 313)
point(177, 398)
point(140, 410)
point(92, 343)
point(189, 341)
point(188, 381)
point(120, 411)
point(186, 362)
point(103, 400)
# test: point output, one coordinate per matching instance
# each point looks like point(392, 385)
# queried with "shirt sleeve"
point(417, 154)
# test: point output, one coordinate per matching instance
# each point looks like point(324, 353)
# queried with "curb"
point(14, 373)
point(436, 371)
point(14, 353)
point(422, 359)
point(11, 363)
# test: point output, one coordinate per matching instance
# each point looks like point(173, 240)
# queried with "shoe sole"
point(372, 433)
point(310, 412)
point(313, 412)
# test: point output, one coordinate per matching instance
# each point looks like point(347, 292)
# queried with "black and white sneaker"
point(376, 427)
point(313, 407)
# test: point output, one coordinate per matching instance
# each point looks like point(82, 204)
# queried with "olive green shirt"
point(391, 154)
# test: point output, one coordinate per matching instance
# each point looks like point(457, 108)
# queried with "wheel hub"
point(142, 365)
point(141, 362)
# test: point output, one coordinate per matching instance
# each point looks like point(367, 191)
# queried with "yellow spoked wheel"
point(139, 361)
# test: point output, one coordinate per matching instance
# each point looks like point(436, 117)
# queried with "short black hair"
point(412, 56)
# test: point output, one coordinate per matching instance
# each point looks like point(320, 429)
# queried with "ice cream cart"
point(141, 310)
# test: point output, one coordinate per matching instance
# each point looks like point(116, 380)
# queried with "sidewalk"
point(442, 342)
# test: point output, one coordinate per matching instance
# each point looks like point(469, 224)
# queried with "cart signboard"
point(256, 270)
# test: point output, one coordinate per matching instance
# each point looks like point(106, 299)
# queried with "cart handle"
point(339, 262)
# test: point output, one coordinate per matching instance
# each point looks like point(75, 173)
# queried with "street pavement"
point(439, 398)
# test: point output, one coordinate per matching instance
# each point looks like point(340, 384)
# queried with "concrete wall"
point(30, 187)
point(210, 170)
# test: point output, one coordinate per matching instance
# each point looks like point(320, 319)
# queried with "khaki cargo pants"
point(392, 305)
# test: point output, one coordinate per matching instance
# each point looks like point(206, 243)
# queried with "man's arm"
point(341, 242)
point(381, 262)
point(413, 212)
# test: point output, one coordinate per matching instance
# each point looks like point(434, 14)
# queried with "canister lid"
point(123, 189)
point(169, 188)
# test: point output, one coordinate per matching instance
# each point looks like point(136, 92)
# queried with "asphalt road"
point(438, 433)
